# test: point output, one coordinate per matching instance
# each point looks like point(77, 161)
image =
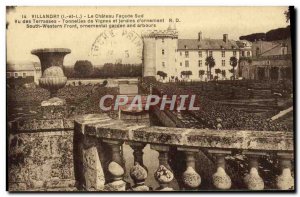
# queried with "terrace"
point(99, 152)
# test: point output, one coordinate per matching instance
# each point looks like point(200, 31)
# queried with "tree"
point(253, 37)
point(233, 62)
point(110, 70)
point(223, 73)
point(287, 15)
point(162, 74)
point(210, 63)
point(83, 68)
point(231, 71)
point(272, 35)
point(186, 73)
point(201, 73)
point(218, 71)
point(278, 34)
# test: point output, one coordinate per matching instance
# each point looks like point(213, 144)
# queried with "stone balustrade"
point(101, 164)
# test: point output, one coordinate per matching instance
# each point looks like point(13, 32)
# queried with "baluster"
point(138, 172)
point(253, 180)
point(221, 180)
point(115, 167)
point(285, 181)
point(191, 178)
point(137, 151)
point(163, 174)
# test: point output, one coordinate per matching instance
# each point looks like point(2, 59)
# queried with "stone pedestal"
point(54, 108)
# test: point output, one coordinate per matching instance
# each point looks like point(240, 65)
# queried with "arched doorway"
point(261, 73)
point(274, 73)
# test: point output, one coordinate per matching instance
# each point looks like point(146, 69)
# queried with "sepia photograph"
point(150, 98)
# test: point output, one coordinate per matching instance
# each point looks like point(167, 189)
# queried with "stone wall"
point(40, 155)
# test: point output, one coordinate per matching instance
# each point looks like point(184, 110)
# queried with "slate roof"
point(214, 44)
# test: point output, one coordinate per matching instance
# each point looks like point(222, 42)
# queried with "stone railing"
point(100, 165)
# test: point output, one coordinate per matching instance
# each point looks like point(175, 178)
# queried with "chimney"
point(225, 37)
point(200, 36)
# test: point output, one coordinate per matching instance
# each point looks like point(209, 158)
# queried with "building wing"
point(206, 44)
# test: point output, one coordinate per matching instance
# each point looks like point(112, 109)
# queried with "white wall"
point(194, 66)
point(20, 73)
point(169, 46)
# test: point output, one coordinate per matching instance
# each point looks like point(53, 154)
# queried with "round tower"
point(149, 53)
point(159, 52)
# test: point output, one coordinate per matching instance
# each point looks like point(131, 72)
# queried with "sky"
point(212, 21)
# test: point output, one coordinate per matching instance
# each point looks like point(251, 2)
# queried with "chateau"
point(185, 59)
point(271, 60)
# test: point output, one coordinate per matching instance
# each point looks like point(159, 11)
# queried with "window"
point(210, 53)
point(243, 53)
point(199, 63)
point(186, 63)
point(186, 54)
point(283, 50)
point(223, 53)
point(24, 74)
point(234, 53)
point(200, 53)
point(7, 75)
point(185, 46)
point(180, 63)
point(223, 62)
point(248, 53)
point(163, 64)
point(16, 74)
point(162, 51)
point(180, 53)
point(163, 40)
point(257, 51)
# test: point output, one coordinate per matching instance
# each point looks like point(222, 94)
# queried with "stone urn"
point(53, 77)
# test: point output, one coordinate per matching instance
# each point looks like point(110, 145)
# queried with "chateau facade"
point(21, 71)
point(185, 59)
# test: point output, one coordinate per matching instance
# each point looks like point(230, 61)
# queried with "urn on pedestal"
point(53, 77)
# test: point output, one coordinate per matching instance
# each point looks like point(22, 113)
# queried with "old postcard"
point(141, 99)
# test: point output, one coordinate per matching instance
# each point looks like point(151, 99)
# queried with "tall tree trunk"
point(207, 73)
point(233, 73)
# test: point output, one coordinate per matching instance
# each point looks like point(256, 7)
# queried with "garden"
point(212, 113)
